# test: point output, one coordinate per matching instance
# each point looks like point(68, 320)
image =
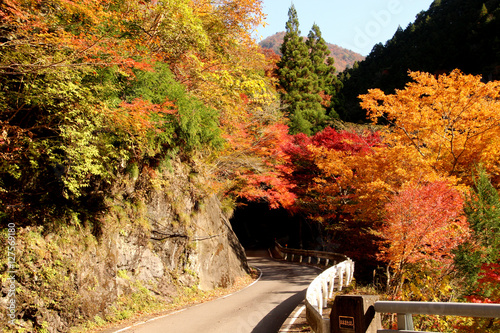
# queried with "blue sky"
point(353, 24)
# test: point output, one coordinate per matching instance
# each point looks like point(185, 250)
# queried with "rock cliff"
point(150, 249)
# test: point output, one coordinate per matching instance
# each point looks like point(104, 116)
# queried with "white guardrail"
point(322, 287)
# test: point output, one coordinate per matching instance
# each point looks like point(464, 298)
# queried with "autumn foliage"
point(95, 90)
point(258, 164)
point(401, 190)
point(488, 291)
point(451, 121)
point(423, 224)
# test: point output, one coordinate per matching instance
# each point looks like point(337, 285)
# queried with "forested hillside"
point(451, 34)
point(344, 58)
point(95, 89)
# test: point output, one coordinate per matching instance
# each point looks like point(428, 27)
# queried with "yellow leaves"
point(212, 51)
point(370, 102)
point(451, 121)
point(176, 27)
point(333, 163)
point(257, 89)
point(430, 285)
point(415, 290)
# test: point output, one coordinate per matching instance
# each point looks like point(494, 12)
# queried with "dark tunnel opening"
point(258, 226)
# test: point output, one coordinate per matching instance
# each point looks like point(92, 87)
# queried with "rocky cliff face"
point(219, 256)
point(175, 243)
point(206, 251)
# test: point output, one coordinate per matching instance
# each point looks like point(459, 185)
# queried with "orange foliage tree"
point(451, 121)
point(355, 187)
point(256, 165)
point(436, 129)
point(323, 175)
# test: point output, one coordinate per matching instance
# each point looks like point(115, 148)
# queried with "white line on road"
point(175, 312)
point(294, 319)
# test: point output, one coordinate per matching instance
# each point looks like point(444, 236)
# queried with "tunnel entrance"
point(257, 226)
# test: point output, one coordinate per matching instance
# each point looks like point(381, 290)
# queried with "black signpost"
point(354, 314)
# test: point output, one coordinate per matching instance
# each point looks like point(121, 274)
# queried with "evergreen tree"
point(454, 34)
point(482, 209)
point(299, 83)
point(323, 67)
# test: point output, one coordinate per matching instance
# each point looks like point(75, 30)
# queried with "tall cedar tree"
point(324, 69)
point(299, 82)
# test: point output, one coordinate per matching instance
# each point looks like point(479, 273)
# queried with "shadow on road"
point(273, 320)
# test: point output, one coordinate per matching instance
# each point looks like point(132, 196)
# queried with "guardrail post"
point(354, 314)
point(405, 321)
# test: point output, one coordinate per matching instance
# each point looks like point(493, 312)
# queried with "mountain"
point(451, 34)
point(343, 57)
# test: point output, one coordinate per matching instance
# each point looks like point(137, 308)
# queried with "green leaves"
point(80, 154)
point(191, 126)
point(482, 208)
point(306, 77)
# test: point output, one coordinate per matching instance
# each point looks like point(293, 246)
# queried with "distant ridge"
point(343, 57)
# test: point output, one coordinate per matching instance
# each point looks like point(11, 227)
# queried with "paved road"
point(260, 308)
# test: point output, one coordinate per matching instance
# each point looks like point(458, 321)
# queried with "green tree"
point(482, 209)
point(299, 82)
point(323, 67)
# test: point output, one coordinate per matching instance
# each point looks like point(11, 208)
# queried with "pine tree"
point(323, 66)
point(484, 10)
point(299, 83)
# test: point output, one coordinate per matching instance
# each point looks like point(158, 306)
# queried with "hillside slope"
point(451, 34)
point(344, 58)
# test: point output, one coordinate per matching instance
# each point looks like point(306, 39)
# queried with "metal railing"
point(405, 310)
point(322, 287)
point(310, 256)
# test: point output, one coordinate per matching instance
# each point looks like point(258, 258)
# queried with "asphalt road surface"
point(260, 308)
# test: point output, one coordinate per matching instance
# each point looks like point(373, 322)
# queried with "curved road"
point(260, 308)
